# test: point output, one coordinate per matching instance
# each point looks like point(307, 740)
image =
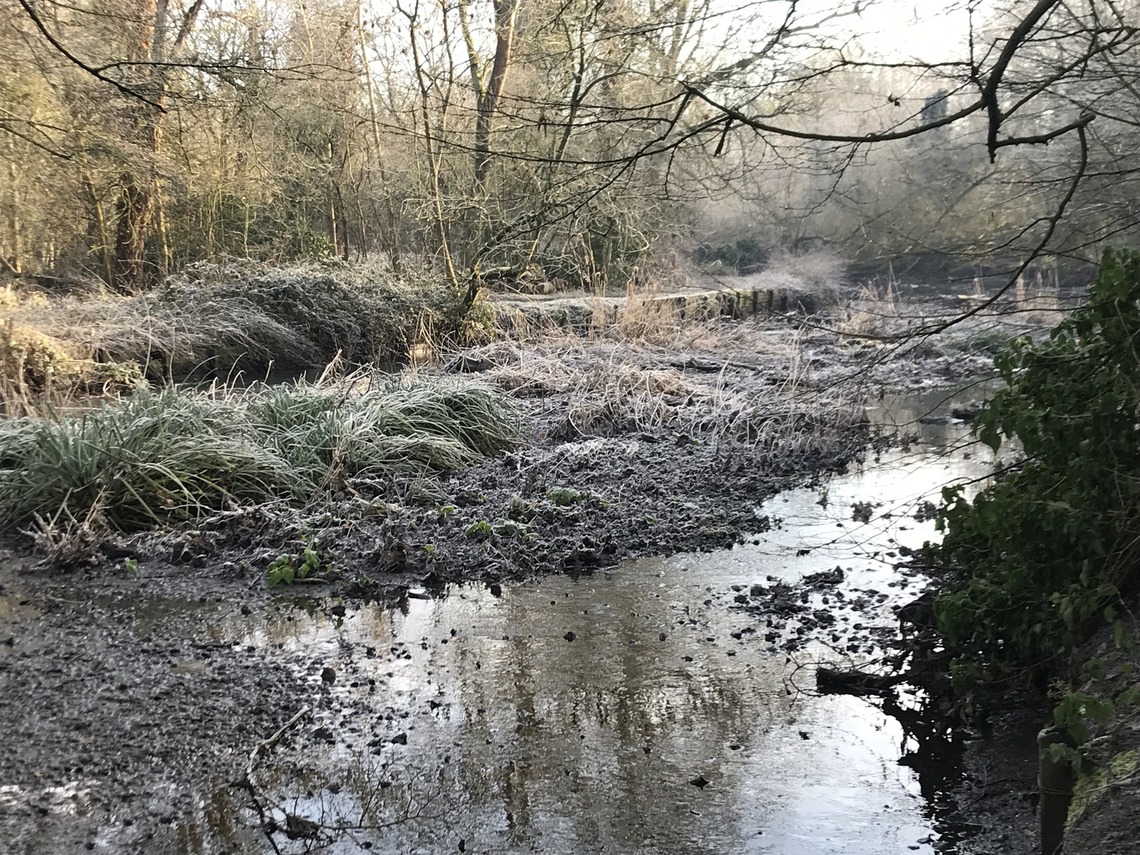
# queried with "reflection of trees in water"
point(368, 802)
point(521, 736)
point(933, 749)
point(588, 732)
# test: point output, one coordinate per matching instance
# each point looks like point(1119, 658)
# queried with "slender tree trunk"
point(166, 263)
point(433, 159)
point(134, 216)
point(136, 207)
point(133, 213)
point(102, 233)
point(334, 236)
point(15, 263)
point(506, 19)
point(390, 229)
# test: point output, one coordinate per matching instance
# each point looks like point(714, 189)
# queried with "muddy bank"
point(140, 685)
point(120, 726)
point(628, 449)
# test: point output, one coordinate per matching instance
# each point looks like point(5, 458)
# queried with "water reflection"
point(631, 711)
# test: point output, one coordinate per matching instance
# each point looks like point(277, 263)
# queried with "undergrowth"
point(1040, 559)
point(163, 457)
point(220, 318)
point(724, 384)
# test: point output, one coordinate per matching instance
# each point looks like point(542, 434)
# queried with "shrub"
point(1037, 557)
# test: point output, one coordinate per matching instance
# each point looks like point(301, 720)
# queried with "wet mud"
point(437, 690)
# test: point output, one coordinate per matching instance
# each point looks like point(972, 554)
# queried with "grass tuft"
point(156, 458)
point(165, 457)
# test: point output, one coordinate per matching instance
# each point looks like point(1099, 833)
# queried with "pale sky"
point(917, 30)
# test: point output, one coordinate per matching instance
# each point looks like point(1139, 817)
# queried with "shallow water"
point(634, 710)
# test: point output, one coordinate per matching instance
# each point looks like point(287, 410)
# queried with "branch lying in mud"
point(852, 681)
point(268, 825)
point(266, 744)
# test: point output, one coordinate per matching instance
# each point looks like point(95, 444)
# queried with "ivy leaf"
point(990, 435)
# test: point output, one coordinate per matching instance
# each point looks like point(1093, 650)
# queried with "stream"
point(642, 709)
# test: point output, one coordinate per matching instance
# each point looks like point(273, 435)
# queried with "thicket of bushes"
point(218, 319)
point(1041, 558)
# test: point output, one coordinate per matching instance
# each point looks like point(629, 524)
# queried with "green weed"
point(565, 496)
point(287, 569)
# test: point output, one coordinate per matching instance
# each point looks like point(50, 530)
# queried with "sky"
point(930, 31)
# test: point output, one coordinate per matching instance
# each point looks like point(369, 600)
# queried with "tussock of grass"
point(438, 426)
point(165, 457)
point(155, 458)
point(244, 315)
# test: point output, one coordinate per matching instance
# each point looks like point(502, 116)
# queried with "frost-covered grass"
point(249, 316)
point(714, 382)
point(163, 457)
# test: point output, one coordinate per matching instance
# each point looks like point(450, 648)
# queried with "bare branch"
point(74, 60)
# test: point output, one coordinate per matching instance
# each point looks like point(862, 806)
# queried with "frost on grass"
point(732, 383)
point(245, 315)
point(164, 457)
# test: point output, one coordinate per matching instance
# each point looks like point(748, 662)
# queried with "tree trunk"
point(135, 212)
point(103, 236)
point(134, 218)
point(506, 17)
point(390, 229)
point(15, 227)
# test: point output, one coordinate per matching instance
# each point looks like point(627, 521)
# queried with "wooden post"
point(1055, 783)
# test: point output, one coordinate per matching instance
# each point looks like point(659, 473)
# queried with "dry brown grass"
point(713, 382)
point(874, 312)
point(167, 339)
point(39, 372)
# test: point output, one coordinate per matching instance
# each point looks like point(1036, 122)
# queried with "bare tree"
point(586, 139)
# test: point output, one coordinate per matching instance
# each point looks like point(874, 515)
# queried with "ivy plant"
point(1038, 556)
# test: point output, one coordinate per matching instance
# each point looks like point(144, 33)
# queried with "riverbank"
point(442, 709)
point(659, 445)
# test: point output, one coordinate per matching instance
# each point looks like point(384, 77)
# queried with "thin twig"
point(246, 782)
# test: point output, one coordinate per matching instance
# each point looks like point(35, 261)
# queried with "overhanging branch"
point(74, 60)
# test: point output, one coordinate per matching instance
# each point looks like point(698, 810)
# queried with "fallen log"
point(852, 681)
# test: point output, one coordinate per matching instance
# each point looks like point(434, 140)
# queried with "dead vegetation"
point(217, 320)
point(39, 372)
point(712, 382)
